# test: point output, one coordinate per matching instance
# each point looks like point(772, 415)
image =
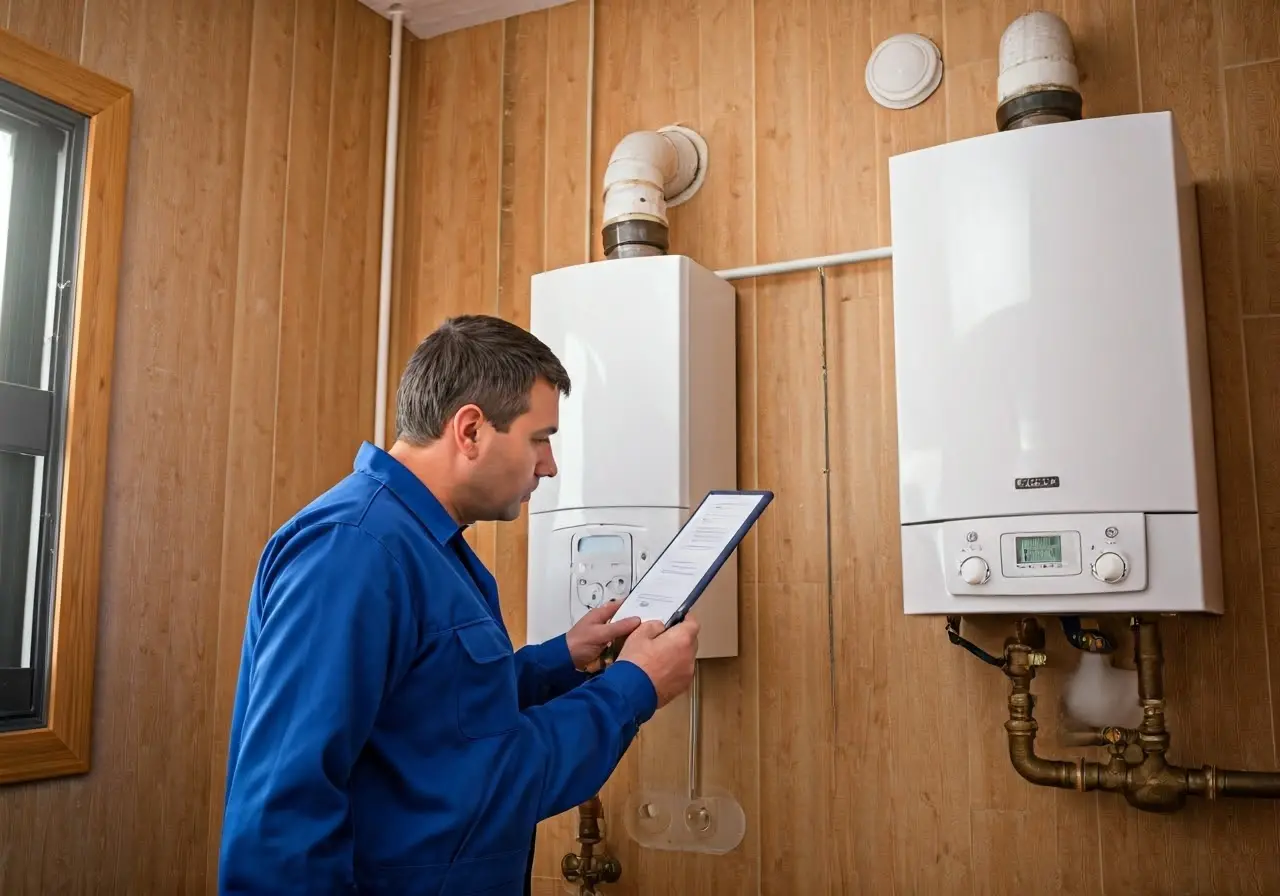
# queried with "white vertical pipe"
point(388, 229)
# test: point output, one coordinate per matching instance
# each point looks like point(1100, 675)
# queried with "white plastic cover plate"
point(904, 71)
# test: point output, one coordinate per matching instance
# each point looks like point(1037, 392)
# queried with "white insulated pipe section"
point(805, 264)
point(388, 229)
point(1036, 53)
point(646, 171)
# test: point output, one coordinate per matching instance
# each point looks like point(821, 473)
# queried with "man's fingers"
point(689, 628)
point(621, 628)
point(649, 630)
point(604, 612)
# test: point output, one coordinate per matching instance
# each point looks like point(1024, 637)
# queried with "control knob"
point(975, 570)
point(1110, 567)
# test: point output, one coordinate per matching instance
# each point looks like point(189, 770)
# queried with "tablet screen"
point(688, 564)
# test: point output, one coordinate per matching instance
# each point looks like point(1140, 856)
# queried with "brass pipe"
point(1151, 783)
point(586, 867)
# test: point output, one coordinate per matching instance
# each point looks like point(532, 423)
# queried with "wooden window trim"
point(62, 746)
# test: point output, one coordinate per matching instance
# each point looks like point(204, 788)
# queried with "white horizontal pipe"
point(805, 264)
point(388, 230)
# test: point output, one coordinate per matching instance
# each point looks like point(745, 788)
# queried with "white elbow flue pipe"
point(1038, 81)
point(388, 230)
point(648, 173)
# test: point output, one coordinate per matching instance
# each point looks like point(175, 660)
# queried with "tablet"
point(686, 566)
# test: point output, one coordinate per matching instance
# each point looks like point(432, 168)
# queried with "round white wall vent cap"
point(904, 71)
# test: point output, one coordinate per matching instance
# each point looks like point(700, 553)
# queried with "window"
point(42, 150)
point(63, 149)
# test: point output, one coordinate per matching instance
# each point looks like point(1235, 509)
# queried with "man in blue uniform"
point(385, 738)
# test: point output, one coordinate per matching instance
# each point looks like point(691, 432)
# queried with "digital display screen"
point(1039, 549)
point(599, 544)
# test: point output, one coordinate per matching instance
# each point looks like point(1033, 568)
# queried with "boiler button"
point(1111, 532)
point(592, 596)
point(975, 570)
point(1110, 567)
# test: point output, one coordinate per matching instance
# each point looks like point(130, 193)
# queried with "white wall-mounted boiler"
point(649, 427)
point(1054, 428)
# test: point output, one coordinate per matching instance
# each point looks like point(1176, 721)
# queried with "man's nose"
point(547, 468)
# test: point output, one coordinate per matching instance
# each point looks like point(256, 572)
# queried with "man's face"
point(508, 465)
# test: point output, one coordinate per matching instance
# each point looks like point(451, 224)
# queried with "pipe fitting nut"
point(1037, 658)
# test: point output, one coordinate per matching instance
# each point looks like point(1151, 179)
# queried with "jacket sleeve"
point(574, 742)
point(545, 671)
point(332, 634)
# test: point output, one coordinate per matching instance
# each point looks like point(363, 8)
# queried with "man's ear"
point(466, 430)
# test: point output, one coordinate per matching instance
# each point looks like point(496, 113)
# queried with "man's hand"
point(594, 632)
point(666, 656)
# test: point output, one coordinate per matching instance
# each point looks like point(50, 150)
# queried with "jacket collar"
point(378, 464)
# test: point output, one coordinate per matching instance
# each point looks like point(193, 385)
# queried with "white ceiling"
point(427, 18)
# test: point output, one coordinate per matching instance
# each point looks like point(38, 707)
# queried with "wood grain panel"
point(796, 718)
point(1208, 659)
point(55, 25)
point(521, 249)
point(298, 416)
point(161, 584)
point(193, 436)
point(251, 430)
point(1255, 148)
point(1250, 31)
point(843, 186)
point(1262, 348)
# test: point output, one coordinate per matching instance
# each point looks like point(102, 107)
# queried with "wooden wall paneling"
point(1103, 34)
point(1262, 349)
point(1216, 669)
point(1254, 146)
point(298, 415)
point(843, 192)
point(1252, 118)
point(347, 325)
point(1250, 31)
point(55, 25)
point(717, 229)
point(453, 213)
point(569, 226)
point(524, 231)
point(167, 459)
point(522, 224)
point(631, 93)
point(404, 331)
point(569, 232)
point(208, 243)
point(796, 684)
point(251, 430)
point(375, 46)
point(930, 774)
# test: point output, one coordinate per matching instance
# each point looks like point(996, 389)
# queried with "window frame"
point(62, 745)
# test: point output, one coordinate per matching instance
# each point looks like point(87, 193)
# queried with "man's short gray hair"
point(472, 359)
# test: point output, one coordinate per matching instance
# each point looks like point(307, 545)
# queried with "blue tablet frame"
point(696, 592)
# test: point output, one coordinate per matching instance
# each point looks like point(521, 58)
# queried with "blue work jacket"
point(385, 737)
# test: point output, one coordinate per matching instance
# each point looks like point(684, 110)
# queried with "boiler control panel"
point(601, 569)
point(1089, 553)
